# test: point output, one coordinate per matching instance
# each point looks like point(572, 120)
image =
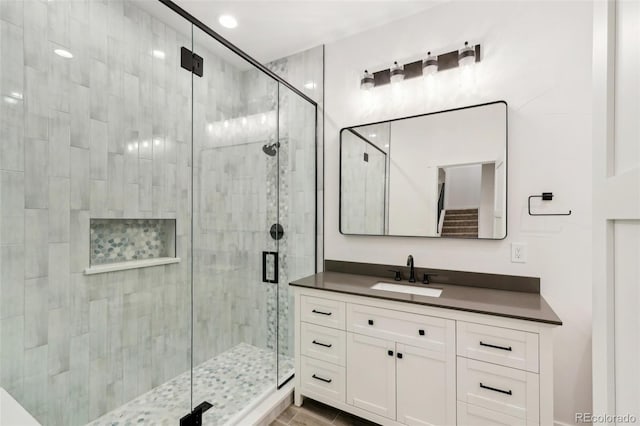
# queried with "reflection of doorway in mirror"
point(467, 200)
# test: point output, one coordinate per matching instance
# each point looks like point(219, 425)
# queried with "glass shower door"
point(297, 212)
point(235, 233)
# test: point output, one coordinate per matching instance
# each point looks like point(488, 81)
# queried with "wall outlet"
point(518, 253)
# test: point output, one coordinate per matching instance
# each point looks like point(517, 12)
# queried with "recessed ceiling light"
point(372, 135)
point(386, 145)
point(158, 54)
point(228, 21)
point(310, 85)
point(16, 95)
point(64, 53)
point(10, 100)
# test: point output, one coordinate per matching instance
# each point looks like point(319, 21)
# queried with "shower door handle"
point(265, 254)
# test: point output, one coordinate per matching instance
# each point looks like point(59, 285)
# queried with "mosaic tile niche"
point(123, 240)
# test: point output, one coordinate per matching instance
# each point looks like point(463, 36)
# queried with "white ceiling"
point(269, 29)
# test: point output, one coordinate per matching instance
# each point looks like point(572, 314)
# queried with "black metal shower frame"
point(235, 49)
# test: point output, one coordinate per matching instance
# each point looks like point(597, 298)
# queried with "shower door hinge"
point(191, 62)
point(194, 418)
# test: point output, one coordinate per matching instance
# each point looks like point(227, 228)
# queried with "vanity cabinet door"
point(371, 374)
point(426, 386)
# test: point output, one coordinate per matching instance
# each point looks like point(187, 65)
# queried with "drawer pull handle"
point(321, 313)
point(504, 348)
point(370, 322)
point(421, 332)
point(321, 379)
point(322, 344)
point(496, 389)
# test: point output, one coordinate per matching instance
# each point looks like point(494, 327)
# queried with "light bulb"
point(430, 65)
point(467, 55)
point(396, 73)
point(367, 81)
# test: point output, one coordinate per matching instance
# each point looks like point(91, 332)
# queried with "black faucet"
point(412, 271)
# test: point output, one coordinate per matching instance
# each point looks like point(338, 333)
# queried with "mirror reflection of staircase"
point(460, 223)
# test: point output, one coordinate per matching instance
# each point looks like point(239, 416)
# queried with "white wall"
point(462, 187)
point(487, 201)
point(537, 57)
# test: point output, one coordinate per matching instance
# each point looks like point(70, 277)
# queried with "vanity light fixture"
point(366, 81)
point(430, 65)
point(396, 73)
point(467, 55)
point(159, 54)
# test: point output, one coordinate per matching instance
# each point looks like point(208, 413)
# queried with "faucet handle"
point(425, 277)
point(398, 276)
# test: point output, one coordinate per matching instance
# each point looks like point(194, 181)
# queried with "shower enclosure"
point(158, 193)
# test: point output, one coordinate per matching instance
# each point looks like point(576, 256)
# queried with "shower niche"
point(120, 244)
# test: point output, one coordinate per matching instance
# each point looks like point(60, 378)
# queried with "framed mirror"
point(442, 174)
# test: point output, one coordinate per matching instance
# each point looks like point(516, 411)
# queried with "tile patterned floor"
point(229, 381)
point(313, 413)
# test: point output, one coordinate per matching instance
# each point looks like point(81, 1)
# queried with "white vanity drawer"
point(325, 312)
point(471, 415)
point(322, 378)
point(323, 343)
point(503, 389)
point(416, 330)
point(512, 348)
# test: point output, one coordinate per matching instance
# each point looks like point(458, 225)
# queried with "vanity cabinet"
point(399, 363)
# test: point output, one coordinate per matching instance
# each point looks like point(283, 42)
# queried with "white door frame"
point(615, 197)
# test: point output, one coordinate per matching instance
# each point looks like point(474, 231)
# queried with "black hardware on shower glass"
point(504, 348)
point(496, 389)
point(370, 322)
point(321, 379)
point(276, 231)
point(265, 279)
point(195, 417)
point(399, 355)
point(321, 313)
point(421, 332)
point(545, 196)
point(191, 61)
point(390, 352)
point(322, 344)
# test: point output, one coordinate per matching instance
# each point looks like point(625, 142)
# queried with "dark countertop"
point(502, 303)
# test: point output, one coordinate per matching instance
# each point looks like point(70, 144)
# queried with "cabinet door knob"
point(390, 352)
point(421, 332)
point(370, 322)
point(399, 355)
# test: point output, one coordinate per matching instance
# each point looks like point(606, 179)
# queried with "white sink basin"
point(399, 288)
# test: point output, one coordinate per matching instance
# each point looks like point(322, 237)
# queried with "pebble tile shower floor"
point(229, 381)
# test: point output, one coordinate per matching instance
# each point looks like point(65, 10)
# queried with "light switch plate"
point(518, 253)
